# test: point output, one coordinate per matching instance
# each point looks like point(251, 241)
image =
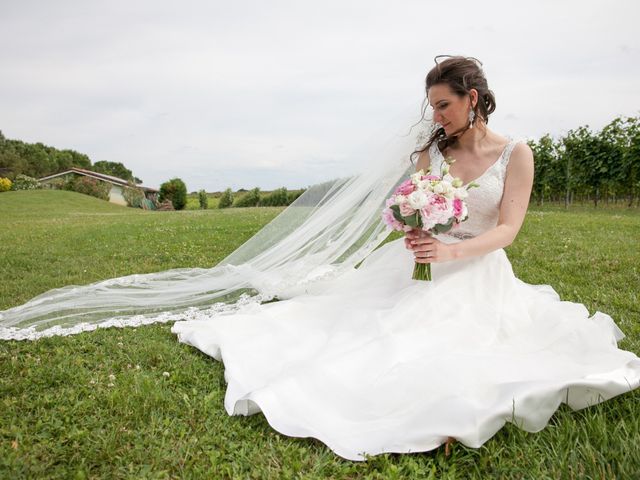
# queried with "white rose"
point(438, 188)
point(423, 184)
point(461, 193)
point(417, 199)
point(415, 178)
point(447, 189)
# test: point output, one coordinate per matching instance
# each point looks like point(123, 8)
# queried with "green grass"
point(63, 416)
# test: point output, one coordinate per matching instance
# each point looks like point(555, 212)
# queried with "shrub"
point(89, 186)
point(203, 199)
point(293, 196)
point(226, 199)
point(133, 196)
point(24, 182)
point(250, 199)
point(176, 191)
point(5, 184)
point(277, 198)
point(55, 183)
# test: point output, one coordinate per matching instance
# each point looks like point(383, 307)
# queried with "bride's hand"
point(427, 249)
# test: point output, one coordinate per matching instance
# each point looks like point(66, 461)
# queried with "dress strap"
point(506, 155)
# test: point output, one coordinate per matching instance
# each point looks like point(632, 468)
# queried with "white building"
point(117, 184)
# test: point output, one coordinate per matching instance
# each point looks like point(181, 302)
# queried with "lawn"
point(136, 403)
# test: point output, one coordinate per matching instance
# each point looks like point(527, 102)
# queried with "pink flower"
point(457, 207)
point(406, 210)
point(430, 177)
point(390, 220)
point(437, 211)
point(406, 188)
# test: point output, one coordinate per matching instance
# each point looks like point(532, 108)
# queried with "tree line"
point(39, 160)
point(583, 165)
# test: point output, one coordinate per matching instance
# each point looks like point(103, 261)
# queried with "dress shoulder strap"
point(506, 155)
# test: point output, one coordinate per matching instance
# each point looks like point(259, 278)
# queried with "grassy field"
point(135, 403)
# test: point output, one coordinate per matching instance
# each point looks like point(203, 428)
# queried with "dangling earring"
point(472, 116)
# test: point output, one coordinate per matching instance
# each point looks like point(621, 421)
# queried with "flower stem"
point(422, 271)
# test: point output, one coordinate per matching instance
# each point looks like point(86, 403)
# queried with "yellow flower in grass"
point(5, 184)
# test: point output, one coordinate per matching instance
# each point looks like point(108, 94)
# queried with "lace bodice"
point(483, 202)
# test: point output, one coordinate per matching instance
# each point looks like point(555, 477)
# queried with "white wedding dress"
point(375, 362)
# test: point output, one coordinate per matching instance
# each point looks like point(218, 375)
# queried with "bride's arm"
point(513, 207)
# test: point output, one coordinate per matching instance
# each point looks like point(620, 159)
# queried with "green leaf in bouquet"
point(413, 220)
point(396, 213)
point(443, 228)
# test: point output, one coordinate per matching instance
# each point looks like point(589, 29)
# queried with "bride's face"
point(449, 109)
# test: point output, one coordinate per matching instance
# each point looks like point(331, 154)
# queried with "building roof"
point(98, 176)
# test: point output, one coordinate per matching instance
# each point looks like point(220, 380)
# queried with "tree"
point(226, 199)
point(544, 152)
point(250, 199)
point(277, 198)
point(203, 199)
point(13, 162)
point(176, 191)
point(115, 169)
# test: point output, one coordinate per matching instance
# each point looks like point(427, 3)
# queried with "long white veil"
point(328, 230)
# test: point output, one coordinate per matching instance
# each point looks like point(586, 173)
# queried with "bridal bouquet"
point(428, 202)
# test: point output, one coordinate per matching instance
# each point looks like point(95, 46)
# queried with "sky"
point(276, 93)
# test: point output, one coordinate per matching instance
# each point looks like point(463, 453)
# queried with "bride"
point(375, 362)
point(355, 352)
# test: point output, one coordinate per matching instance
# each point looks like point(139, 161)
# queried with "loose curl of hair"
point(461, 74)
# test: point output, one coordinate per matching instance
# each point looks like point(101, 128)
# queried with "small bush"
point(176, 191)
point(203, 199)
point(293, 196)
point(24, 182)
point(250, 199)
point(55, 183)
point(89, 186)
point(133, 196)
point(226, 199)
point(5, 184)
point(277, 198)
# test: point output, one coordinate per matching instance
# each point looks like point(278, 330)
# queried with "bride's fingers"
point(423, 241)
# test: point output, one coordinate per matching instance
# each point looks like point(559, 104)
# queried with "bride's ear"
point(473, 94)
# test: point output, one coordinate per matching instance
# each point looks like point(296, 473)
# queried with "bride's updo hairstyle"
point(461, 74)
